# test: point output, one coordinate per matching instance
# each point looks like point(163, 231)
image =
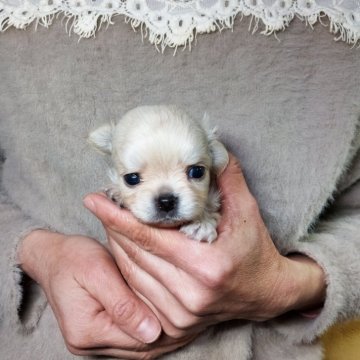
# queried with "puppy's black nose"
point(167, 202)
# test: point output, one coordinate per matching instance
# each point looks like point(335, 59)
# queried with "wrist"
point(305, 283)
point(36, 252)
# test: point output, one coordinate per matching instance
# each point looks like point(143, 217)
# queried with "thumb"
point(235, 193)
point(121, 221)
point(105, 283)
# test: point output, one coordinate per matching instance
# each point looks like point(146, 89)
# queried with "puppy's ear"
point(101, 139)
point(219, 154)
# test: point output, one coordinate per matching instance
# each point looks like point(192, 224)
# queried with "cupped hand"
point(97, 312)
point(190, 285)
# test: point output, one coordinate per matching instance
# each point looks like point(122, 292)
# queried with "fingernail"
point(89, 204)
point(149, 330)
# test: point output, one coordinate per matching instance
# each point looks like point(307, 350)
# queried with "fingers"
point(163, 346)
point(182, 297)
point(102, 337)
point(114, 217)
point(98, 331)
point(127, 311)
point(158, 281)
point(200, 260)
point(235, 194)
point(168, 244)
point(123, 222)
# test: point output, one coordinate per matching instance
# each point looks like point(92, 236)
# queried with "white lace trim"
point(176, 22)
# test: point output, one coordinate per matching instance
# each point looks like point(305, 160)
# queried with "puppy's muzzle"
point(167, 202)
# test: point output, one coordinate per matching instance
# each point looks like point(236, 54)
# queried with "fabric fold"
point(335, 246)
point(15, 226)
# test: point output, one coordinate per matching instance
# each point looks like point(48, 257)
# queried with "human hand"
point(191, 285)
point(96, 311)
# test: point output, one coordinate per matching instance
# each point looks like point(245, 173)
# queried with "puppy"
point(164, 167)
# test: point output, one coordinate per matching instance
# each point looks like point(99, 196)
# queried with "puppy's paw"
point(201, 230)
point(113, 194)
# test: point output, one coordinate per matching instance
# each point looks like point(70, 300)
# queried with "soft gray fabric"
point(268, 345)
point(288, 110)
point(342, 301)
point(14, 226)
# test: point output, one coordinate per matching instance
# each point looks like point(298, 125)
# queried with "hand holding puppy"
point(190, 285)
point(96, 311)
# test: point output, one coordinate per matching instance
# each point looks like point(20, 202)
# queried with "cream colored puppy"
point(164, 168)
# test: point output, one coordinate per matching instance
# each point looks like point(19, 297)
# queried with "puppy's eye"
point(196, 172)
point(132, 179)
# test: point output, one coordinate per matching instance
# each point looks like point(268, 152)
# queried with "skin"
point(184, 286)
point(96, 311)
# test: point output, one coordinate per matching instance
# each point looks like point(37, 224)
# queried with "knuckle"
point(215, 275)
point(76, 341)
point(95, 273)
point(147, 356)
point(135, 253)
point(73, 350)
point(139, 347)
point(199, 304)
point(128, 268)
point(212, 279)
point(124, 311)
point(176, 334)
point(181, 324)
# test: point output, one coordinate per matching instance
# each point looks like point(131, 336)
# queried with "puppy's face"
point(163, 178)
point(163, 163)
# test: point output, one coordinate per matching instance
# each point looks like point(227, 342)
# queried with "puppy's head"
point(163, 163)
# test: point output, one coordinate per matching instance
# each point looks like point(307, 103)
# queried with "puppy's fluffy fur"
point(171, 162)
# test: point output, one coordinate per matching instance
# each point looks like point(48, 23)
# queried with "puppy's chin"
point(168, 223)
point(163, 221)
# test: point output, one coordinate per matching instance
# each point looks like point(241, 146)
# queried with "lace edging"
point(174, 23)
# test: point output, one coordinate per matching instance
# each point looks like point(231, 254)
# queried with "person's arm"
point(335, 246)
